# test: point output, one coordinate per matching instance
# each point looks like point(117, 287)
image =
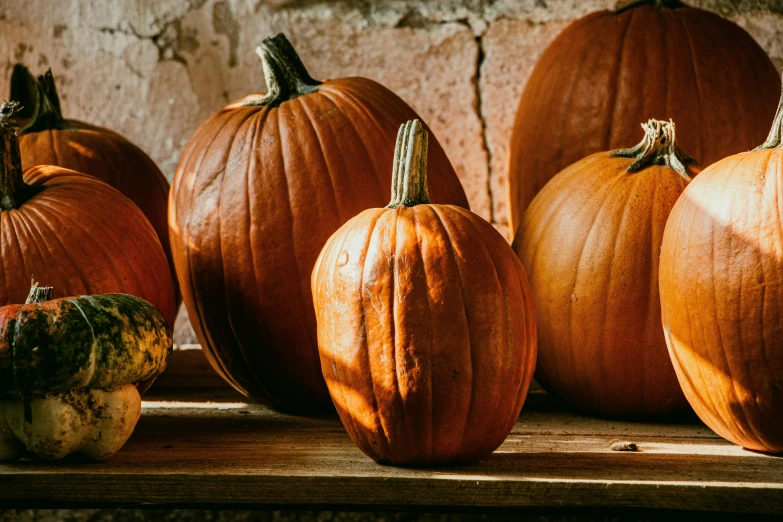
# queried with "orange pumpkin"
point(74, 231)
point(590, 243)
point(260, 187)
point(721, 283)
point(612, 69)
point(426, 326)
point(49, 139)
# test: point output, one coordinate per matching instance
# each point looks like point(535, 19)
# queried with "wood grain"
point(214, 449)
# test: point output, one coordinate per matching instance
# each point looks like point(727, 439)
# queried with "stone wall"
point(154, 69)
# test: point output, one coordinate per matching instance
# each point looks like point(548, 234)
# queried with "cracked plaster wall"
point(153, 70)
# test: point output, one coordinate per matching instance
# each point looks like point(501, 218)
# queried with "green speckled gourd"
point(97, 341)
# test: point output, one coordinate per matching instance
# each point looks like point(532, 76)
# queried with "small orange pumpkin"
point(721, 283)
point(590, 242)
point(426, 326)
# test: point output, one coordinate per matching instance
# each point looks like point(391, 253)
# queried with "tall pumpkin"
point(260, 187)
point(590, 242)
point(721, 284)
point(47, 138)
point(426, 326)
point(74, 231)
point(612, 69)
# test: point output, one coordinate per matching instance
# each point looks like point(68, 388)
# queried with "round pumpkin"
point(74, 231)
point(260, 187)
point(590, 242)
point(721, 284)
point(49, 139)
point(426, 327)
point(612, 69)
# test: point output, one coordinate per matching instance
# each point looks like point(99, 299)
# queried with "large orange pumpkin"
point(612, 69)
point(49, 139)
point(260, 187)
point(590, 243)
point(73, 231)
point(426, 326)
point(721, 283)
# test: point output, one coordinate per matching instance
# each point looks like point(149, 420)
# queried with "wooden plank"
point(189, 368)
point(223, 451)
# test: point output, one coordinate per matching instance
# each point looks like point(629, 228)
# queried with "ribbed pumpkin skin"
point(257, 193)
point(110, 158)
point(426, 331)
point(608, 71)
point(82, 237)
point(721, 283)
point(589, 243)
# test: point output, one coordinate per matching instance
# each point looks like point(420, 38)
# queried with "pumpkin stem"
point(658, 147)
point(39, 294)
point(409, 175)
point(13, 190)
point(775, 138)
point(39, 99)
point(285, 74)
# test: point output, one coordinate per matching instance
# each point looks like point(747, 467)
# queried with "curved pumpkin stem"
point(39, 294)
point(409, 177)
point(39, 99)
point(775, 138)
point(658, 147)
point(13, 190)
point(285, 74)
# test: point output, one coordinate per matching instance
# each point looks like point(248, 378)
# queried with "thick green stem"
point(39, 99)
point(409, 176)
point(775, 138)
point(285, 74)
point(658, 147)
point(39, 294)
point(13, 190)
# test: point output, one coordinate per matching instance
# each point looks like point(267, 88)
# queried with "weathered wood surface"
point(221, 451)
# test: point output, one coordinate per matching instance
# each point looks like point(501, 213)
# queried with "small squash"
point(68, 368)
point(426, 327)
point(260, 187)
point(49, 139)
point(651, 59)
point(74, 231)
point(721, 283)
point(590, 243)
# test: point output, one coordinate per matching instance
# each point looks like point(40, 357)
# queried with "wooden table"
point(210, 448)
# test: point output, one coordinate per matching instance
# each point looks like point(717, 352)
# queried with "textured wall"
point(154, 69)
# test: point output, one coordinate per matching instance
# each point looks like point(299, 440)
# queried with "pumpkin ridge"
point(450, 242)
point(225, 177)
point(480, 236)
point(613, 94)
point(605, 198)
point(567, 107)
point(418, 248)
point(33, 232)
point(187, 233)
point(325, 163)
point(284, 152)
point(384, 431)
point(328, 93)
